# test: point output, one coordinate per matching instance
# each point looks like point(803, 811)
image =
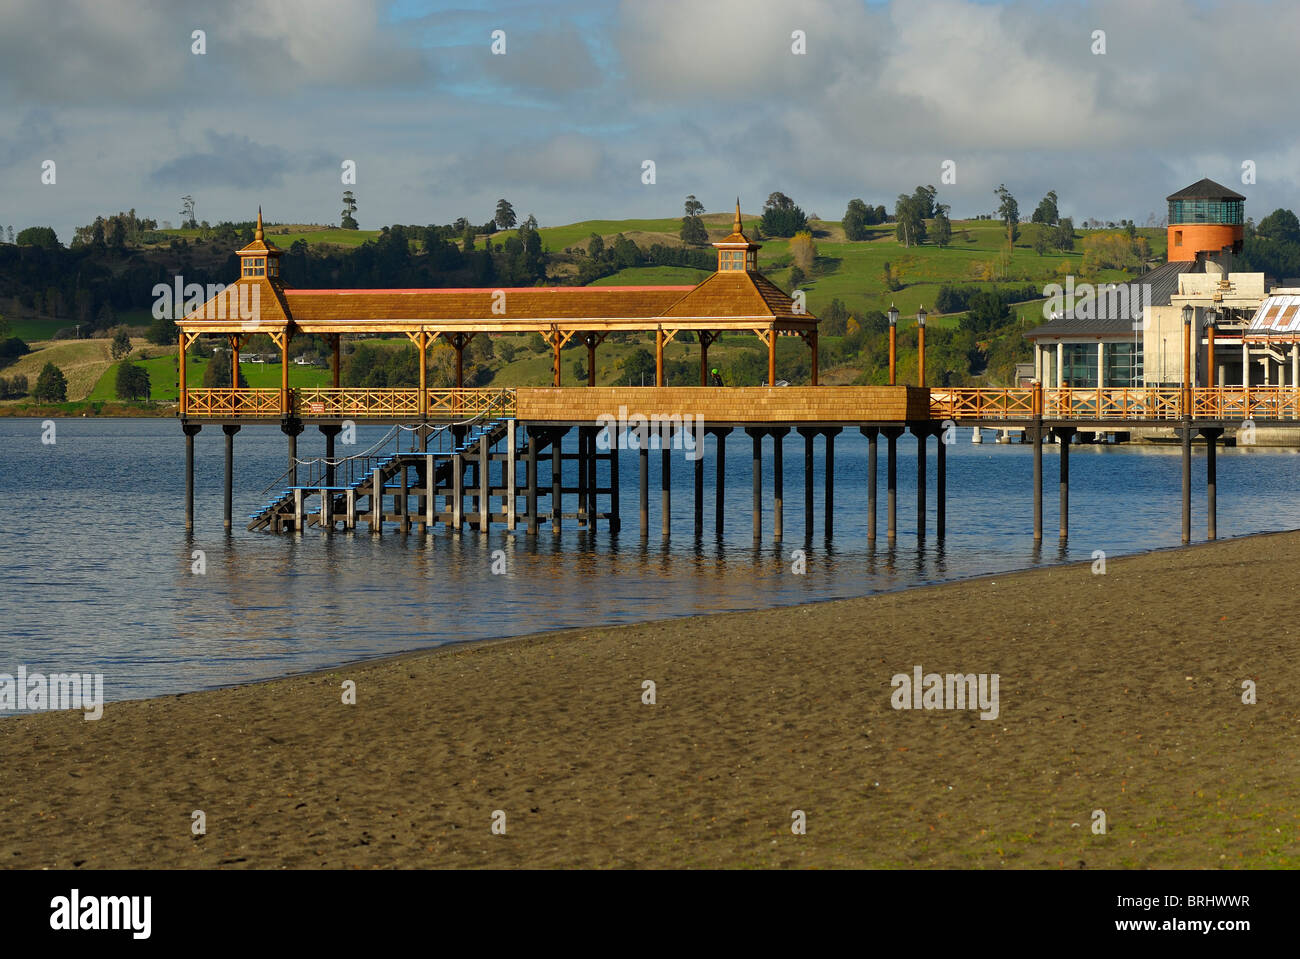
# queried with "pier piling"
point(829, 505)
point(778, 483)
point(872, 434)
point(941, 487)
point(1211, 482)
point(557, 480)
point(1187, 480)
point(720, 482)
point(892, 433)
point(191, 430)
point(665, 480)
point(643, 461)
point(756, 435)
point(1036, 432)
point(1066, 435)
point(230, 430)
point(921, 433)
point(532, 481)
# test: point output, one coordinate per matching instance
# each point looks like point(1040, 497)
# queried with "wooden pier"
point(472, 455)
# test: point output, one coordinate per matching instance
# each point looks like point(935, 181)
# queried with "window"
point(731, 260)
point(1206, 211)
point(1178, 237)
point(1079, 365)
point(1123, 364)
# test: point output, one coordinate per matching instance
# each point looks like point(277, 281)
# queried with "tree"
point(217, 374)
point(1063, 236)
point(781, 217)
point(162, 332)
point(42, 236)
point(803, 251)
point(51, 385)
point(596, 246)
point(1280, 226)
point(924, 198)
point(638, 369)
point(987, 311)
point(1046, 211)
point(1042, 239)
point(187, 213)
point(505, 215)
point(857, 218)
point(132, 382)
point(349, 222)
point(693, 232)
point(796, 277)
point(121, 345)
point(910, 224)
point(1009, 212)
point(835, 320)
point(942, 228)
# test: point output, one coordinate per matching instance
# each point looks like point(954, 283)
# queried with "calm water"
point(97, 565)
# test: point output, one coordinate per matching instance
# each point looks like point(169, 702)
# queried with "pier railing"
point(328, 403)
point(1115, 403)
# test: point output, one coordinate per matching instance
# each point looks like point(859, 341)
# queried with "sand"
point(1119, 692)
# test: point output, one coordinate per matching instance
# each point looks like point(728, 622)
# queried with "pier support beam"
point(699, 489)
point(615, 521)
point(532, 481)
point(330, 431)
point(1066, 436)
point(191, 430)
point(778, 483)
point(643, 462)
point(1036, 436)
point(756, 470)
point(829, 505)
point(230, 430)
point(557, 479)
point(809, 434)
point(1211, 435)
point(922, 433)
point(665, 480)
point(872, 433)
point(891, 433)
point(484, 485)
point(941, 483)
point(720, 481)
point(292, 428)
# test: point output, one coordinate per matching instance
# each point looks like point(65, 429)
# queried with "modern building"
point(1131, 335)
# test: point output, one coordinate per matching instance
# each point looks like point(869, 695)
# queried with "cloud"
point(236, 161)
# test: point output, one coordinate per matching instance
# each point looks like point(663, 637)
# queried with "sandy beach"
point(1119, 692)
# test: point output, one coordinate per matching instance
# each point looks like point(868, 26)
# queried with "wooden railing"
point(1116, 403)
point(350, 402)
point(232, 403)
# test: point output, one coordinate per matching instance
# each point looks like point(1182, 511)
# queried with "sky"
point(885, 96)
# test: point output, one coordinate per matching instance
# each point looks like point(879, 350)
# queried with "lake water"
point(97, 564)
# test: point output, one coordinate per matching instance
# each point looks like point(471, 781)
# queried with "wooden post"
point(511, 477)
point(430, 492)
point(699, 492)
point(1211, 483)
point(778, 484)
point(591, 359)
point(1209, 358)
point(350, 521)
point(771, 358)
point(230, 430)
point(659, 356)
point(891, 479)
point(720, 482)
point(893, 354)
point(614, 519)
point(1187, 480)
point(457, 492)
point(1187, 372)
point(582, 476)
point(920, 354)
point(705, 339)
point(556, 343)
point(665, 479)
point(808, 436)
point(873, 435)
point(191, 430)
point(941, 488)
point(1066, 434)
point(484, 484)
point(532, 481)
point(422, 343)
point(234, 362)
point(404, 510)
point(286, 408)
point(297, 510)
point(180, 367)
point(921, 434)
point(1037, 431)
point(643, 458)
point(376, 503)
point(829, 505)
point(326, 509)
point(756, 435)
point(557, 479)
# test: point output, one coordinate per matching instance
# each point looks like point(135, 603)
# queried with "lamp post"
point(920, 346)
point(893, 344)
point(1188, 313)
point(1211, 320)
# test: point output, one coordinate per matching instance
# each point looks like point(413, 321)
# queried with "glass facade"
point(1206, 211)
point(1079, 365)
point(1123, 364)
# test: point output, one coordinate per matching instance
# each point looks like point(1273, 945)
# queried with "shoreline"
point(1118, 692)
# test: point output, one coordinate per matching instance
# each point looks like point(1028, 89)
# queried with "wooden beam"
point(180, 367)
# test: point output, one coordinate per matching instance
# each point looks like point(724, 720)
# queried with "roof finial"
point(735, 227)
point(257, 235)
